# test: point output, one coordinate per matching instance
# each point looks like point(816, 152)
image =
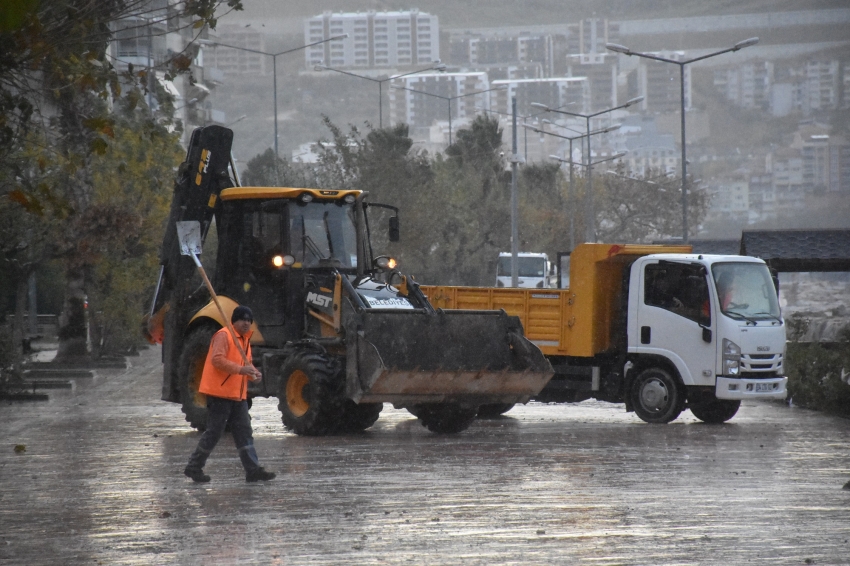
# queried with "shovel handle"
point(221, 310)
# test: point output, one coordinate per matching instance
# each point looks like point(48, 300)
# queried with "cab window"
point(680, 288)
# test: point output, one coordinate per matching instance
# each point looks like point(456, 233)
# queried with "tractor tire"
point(445, 418)
point(494, 410)
point(191, 365)
point(358, 417)
point(716, 411)
point(657, 396)
point(310, 396)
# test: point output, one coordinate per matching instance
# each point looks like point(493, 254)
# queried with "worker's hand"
point(252, 373)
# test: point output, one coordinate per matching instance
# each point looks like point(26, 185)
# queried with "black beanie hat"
point(242, 313)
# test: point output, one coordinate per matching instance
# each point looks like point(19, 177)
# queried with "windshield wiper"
point(307, 243)
point(328, 234)
point(738, 316)
point(773, 316)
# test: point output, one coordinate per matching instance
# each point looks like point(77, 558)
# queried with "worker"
point(225, 383)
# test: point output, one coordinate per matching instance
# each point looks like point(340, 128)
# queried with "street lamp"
point(590, 223)
point(274, 57)
point(449, 99)
point(438, 67)
point(626, 51)
point(572, 190)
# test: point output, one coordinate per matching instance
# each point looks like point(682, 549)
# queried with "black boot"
point(197, 474)
point(259, 474)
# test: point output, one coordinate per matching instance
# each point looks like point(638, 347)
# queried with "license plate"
point(764, 387)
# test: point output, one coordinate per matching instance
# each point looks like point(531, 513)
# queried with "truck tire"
point(494, 410)
point(716, 411)
point(310, 396)
point(657, 396)
point(191, 367)
point(358, 417)
point(445, 418)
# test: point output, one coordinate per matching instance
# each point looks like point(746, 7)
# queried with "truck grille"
point(761, 365)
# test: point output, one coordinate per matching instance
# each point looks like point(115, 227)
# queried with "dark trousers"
point(222, 412)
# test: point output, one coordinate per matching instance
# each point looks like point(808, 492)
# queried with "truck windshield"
point(745, 290)
point(528, 266)
point(323, 231)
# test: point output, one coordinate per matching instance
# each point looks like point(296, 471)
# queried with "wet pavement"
point(99, 481)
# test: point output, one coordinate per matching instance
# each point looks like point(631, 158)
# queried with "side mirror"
point(394, 230)
point(706, 334)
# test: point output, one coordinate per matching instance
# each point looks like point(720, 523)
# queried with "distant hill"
point(492, 13)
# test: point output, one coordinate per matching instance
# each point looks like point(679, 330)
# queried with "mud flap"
point(459, 356)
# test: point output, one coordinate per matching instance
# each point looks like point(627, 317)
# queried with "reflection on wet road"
point(101, 481)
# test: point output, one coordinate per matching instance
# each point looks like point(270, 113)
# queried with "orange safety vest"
point(219, 383)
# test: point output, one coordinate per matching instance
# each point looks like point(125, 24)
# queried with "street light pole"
point(590, 221)
point(438, 67)
point(514, 204)
point(572, 190)
point(626, 51)
point(274, 57)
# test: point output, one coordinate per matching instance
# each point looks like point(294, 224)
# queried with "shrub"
point(818, 372)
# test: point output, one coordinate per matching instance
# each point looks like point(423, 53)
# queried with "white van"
point(534, 270)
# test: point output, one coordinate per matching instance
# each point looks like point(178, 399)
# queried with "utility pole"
point(514, 205)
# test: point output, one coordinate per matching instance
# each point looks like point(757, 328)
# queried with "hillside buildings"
point(375, 39)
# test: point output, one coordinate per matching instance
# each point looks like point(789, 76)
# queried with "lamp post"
point(438, 67)
point(588, 166)
point(572, 190)
point(626, 51)
point(449, 99)
point(590, 222)
point(274, 57)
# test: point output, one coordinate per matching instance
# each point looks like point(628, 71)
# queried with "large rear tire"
point(192, 359)
point(716, 411)
point(657, 396)
point(445, 418)
point(310, 396)
point(358, 417)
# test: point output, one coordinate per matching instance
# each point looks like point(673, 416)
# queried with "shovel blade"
point(189, 235)
point(470, 357)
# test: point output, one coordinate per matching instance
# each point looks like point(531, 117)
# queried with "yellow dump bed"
point(562, 322)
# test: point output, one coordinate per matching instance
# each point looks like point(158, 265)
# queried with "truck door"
point(674, 318)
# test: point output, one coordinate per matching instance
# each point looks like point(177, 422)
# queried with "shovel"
point(189, 235)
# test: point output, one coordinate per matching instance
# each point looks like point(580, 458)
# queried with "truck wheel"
point(657, 396)
point(494, 410)
point(358, 417)
point(310, 394)
point(191, 366)
point(445, 418)
point(716, 411)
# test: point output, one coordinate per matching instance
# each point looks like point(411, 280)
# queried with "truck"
point(656, 327)
point(339, 330)
point(534, 270)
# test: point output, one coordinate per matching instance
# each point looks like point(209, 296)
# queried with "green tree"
point(55, 81)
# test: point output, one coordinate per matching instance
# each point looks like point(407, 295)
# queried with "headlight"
point(385, 262)
point(281, 260)
point(731, 358)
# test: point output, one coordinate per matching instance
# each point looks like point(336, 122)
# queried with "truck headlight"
point(731, 358)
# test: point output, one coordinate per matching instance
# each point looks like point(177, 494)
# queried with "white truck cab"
point(534, 269)
point(716, 319)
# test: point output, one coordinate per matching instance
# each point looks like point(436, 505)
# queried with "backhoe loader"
point(338, 329)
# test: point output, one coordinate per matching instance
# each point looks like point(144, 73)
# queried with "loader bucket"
point(458, 356)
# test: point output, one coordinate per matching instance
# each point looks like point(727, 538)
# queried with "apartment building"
point(420, 100)
point(231, 56)
point(146, 39)
point(660, 83)
point(375, 39)
point(747, 85)
point(557, 92)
